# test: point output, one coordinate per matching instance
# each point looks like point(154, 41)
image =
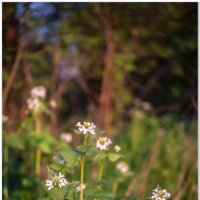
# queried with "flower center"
point(102, 140)
point(87, 124)
point(55, 180)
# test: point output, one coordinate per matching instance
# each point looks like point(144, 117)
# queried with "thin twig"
point(12, 75)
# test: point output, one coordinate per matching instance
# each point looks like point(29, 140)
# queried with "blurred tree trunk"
point(26, 92)
point(10, 40)
point(10, 33)
point(105, 115)
point(54, 90)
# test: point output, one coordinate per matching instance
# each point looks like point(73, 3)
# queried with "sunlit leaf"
point(100, 156)
point(114, 156)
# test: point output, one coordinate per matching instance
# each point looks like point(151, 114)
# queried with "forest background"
point(131, 68)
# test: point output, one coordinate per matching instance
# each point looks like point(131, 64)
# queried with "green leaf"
point(56, 166)
point(96, 193)
point(102, 182)
point(57, 194)
point(64, 192)
point(44, 141)
point(100, 156)
point(89, 149)
point(46, 110)
point(71, 156)
point(114, 156)
point(50, 172)
point(71, 193)
point(15, 141)
point(27, 122)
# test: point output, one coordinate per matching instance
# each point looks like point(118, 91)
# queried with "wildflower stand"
point(57, 183)
point(35, 105)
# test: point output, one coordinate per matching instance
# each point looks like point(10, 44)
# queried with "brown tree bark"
point(105, 115)
point(11, 77)
point(10, 40)
point(55, 94)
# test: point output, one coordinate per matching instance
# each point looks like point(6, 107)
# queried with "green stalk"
point(37, 161)
point(115, 187)
point(101, 166)
point(82, 168)
point(5, 187)
point(38, 151)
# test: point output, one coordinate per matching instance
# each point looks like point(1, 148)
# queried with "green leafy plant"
point(68, 159)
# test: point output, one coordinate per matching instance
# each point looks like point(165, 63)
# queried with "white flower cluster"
point(56, 182)
point(159, 194)
point(33, 104)
point(103, 143)
point(86, 128)
point(36, 94)
point(53, 104)
point(81, 186)
point(117, 148)
point(122, 167)
point(67, 137)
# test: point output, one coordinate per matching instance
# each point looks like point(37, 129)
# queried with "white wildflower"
point(34, 101)
point(5, 118)
point(86, 128)
point(33, 104)
point(53, 104)
point(117, 148)
point(122, 167)
point(103, 143)
point(56, 181)
point(67, 137)
point(38, 92)
point(160, 194)
point(81, 186)
point(49, 184)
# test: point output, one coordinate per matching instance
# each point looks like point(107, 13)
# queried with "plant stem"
point(38, 161)
point(38, 151)
point(5, 187)
point(115, 187)
point(82, 168)
point(82, 177)
point(101, 166)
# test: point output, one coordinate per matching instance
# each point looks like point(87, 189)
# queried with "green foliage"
point(71, 156)
point(15, 141)
point(100, 156)
point(95, 193)
point(43, 141)
point(114, 156)
point(136, 150)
